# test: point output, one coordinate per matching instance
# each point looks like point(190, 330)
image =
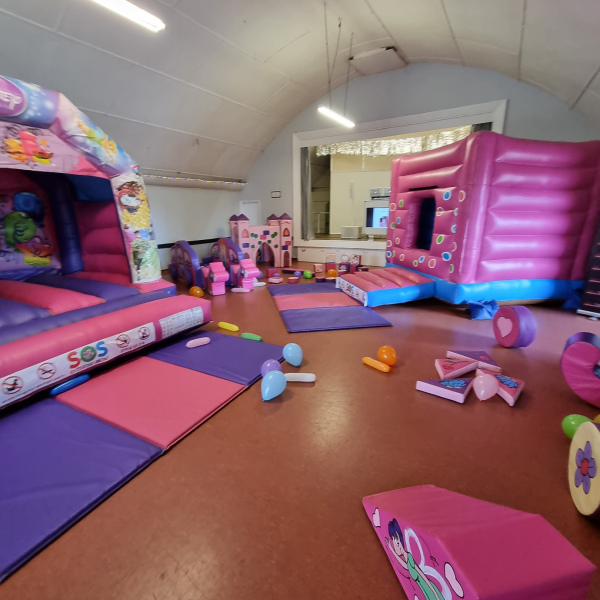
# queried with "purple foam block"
point(327, 319)
point(227, 357)
point(59, 465)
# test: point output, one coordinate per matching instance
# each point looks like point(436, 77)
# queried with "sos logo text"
point(87, 354)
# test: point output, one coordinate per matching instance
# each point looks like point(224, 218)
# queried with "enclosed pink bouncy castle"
point(489, 217)
point(78, 256)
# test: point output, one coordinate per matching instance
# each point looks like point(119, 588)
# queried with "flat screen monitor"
point(377, 214)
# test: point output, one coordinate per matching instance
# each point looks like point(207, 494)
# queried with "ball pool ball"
point(307, 274)
point(297, 273)
point(332, 273)
point(387, 355)
point(196, 291)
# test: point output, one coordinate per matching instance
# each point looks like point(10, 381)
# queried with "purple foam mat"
point(293, 289)
point(100, 289)
point(227, 356)
point(326, 319)
point(57, 465)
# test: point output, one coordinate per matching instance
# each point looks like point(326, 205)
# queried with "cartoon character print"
point(22, 231)
point(25, 145)
point(403, 547)
point(133, 204)
point(98, 137)
point(145, 257)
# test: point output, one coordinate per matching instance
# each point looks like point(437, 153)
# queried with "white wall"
point(419, 88)
point(190, 214)
point(349, 192)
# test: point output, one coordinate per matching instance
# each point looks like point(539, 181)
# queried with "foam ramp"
point(446, 546)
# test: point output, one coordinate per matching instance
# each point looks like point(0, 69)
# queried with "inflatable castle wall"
point(489, 217)
point(273, 241)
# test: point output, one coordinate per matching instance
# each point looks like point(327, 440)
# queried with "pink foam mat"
point(313, 301)
point(153, 400)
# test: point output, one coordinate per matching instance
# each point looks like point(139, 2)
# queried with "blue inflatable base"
point(501, 291)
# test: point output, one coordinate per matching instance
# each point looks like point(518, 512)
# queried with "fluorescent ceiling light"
point(324, 110)
point(133, 13)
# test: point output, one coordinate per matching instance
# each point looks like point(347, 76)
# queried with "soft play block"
point(453, 389)
point(293, 302)
point(446, 545)
point(58, 465)
point(327, 319)
point(484, 360)
point(156, 401)
point(509, 388)
point(285, 290)
point(226, 356)
point(450, 368)
point(54, 300)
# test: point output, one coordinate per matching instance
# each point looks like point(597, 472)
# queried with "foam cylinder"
point(579, 365)
point(584, 464)
point(514, 326)
point(301, 377)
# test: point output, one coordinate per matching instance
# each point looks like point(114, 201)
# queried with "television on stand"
point(377, 214)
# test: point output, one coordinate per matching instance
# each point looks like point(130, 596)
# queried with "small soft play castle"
point(489, 217)
point(272, 242)
point(78, 257)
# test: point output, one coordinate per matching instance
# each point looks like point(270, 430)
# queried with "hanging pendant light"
point(328, 110)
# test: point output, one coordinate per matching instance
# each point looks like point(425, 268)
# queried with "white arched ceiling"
point(208, 94)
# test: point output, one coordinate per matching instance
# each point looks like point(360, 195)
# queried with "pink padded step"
point(54, 300)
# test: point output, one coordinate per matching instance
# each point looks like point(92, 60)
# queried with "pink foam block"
point(292, 301)
point(156, 401)
point(514, 326)
point(484, 360)
point(54, 300)
point(473, 550)
point(453, 389)
point(509, 388)
point(579, 364)
point(450, 368)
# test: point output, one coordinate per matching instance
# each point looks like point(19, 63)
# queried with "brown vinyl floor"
point(263, 501)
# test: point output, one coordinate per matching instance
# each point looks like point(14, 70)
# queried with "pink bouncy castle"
point(78, 257)
point(489, 217)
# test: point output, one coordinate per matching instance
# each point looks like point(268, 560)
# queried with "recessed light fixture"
point(133, 13)
point(324, 110)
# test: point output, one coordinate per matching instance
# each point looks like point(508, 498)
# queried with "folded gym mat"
point(152, 399)
point(57, 465)
point(326, 319)
point(227, 356)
